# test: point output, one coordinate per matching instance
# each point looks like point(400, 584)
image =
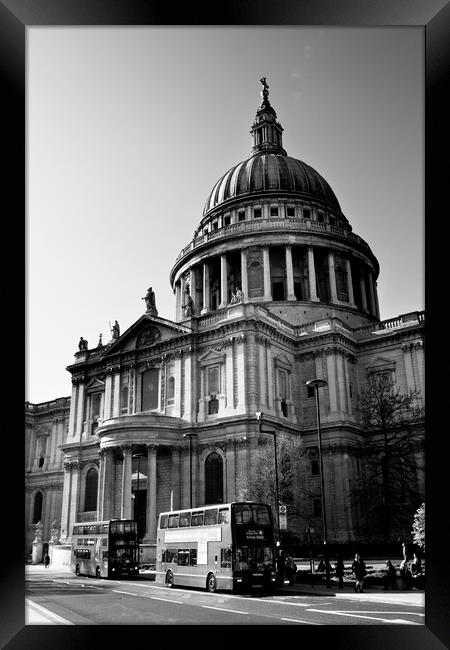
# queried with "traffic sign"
point(282, 510)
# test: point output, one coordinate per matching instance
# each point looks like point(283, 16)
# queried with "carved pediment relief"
point(148, 336)
point(95, 384)
point(380, 363)
point(42, 431)
point(283, 361)
point(211, 356)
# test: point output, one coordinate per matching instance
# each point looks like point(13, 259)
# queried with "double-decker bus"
point(228, 546)
point(105, 548)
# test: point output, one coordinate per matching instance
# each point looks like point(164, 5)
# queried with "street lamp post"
point(259, 417)
point(190, 435)
point(316, 384)
point(137, 455)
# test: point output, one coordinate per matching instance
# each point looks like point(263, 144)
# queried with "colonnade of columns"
point(367, 285)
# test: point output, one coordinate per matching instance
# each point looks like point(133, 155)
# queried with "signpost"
point(282, 517)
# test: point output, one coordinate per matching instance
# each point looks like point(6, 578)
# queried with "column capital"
point(70, 465)
point(126, 449)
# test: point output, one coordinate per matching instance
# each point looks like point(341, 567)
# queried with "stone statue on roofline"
point(82, 344)
point(150, 303)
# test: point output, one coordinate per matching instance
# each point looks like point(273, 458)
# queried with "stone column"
point(178, 314)
point(375, 290)
point(223, 281)
point(266, 267)
point(341, 383)
point(312, 276)
point(80, 412)
point(407, 350)
point(193, 289)
point(351, 297)
point(106, 485)
point(332, 384)
point(72, 414)
point(418, 347)
point(244, 275)
point(206, 289)
point(125, 502)
point(108, 393)
point(230, 471)
point(332, 277)
point(289, 274)
point(362, 284)
point(176, 486)
point(151, 523)
point(116, 395)
point(74, 468)
point(373, 307)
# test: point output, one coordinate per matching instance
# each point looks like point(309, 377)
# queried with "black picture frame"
point(434, 17)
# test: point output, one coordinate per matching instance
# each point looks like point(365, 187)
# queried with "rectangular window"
point(227, 220)
point(306, 213)
point(173, 521)
point(171, 556)
point(150, 389)
point(257, 213)
point(183, 557)
point(350, 390)
point(193, 557)
point(314, 468)
point(317, 507)
point(163, 521)
point(225, 558)
point(291, 212)
point(273, 212)
point(310, 391)
point(197, 518)
point(105, 555)
point(332, 220)
point(241, 215)
point(211, 517)
point(320, 217)
point(213, 380)
point(185, 519)
point(224, 516)
point(215, 225)
point(96, 401)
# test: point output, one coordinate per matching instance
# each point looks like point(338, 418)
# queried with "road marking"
point(127, 593)
point(294, 604)
point(373, 618)
point(362, 611)
point(166, 600)
point(296, 620)
point(222, 609)
point(43, 611)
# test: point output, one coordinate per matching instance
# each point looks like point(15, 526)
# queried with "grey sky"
point(129, 129)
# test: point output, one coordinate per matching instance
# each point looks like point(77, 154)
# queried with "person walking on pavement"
point(390, 576)
point(291, 569)
point(405, 573)
point(359, 571)
point(46, 560)
point(339, 567)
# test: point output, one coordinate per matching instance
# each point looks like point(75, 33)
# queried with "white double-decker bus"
point(227, 546)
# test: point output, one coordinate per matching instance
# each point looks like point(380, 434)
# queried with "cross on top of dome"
point(266, 131)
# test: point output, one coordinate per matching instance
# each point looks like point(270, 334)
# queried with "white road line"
point(296, 620)
point(44, 612)
point(127, 593)
point(362, 611)
point(294, 604)
point(166, 600)
point(373, 618)
point(222, 609)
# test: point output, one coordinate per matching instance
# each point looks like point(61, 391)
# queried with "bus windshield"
point(251, 514)
point(253, 557)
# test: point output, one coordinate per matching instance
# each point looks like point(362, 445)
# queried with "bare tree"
point(393, 449)
point(418, 528)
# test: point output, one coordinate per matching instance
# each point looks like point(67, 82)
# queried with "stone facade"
point(274, 290)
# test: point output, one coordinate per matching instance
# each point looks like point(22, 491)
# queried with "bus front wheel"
point(77, 570)
point(169, 579)
point(211, 583)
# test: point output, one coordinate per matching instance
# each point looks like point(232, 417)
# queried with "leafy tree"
point(418, 528)
point(388, 488)
point(261, 485)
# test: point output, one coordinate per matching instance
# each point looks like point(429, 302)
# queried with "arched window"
point(341, 283)
point(214, 478)
point(90, 495)
point(124, 399)
point(37, 510)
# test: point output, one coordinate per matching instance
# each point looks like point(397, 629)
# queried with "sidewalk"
point(371, 594)
point(37, 615)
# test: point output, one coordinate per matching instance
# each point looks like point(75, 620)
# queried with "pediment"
point(380, 363)
point(42, 431)
point(146, 332)
point(95, 384)
point(283, 360)
point(211, 356)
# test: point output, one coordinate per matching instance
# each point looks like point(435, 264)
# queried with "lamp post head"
point(138, 455)
point(259, 416)
point(190, 435)
point(316, 383)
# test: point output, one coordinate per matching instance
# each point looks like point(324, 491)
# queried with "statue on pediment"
point(115, 330)
point(82, 344)
point(150, 302)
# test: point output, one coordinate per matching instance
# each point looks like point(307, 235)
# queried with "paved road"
point(63, 598)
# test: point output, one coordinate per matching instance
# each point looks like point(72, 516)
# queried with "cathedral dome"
point(271, 171)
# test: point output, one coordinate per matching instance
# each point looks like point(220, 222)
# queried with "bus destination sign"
point(254, 534)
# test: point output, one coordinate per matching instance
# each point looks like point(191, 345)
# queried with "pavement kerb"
point(400, 597)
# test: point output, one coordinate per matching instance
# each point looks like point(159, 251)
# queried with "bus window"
point(197, 518)
point(185, 519)
point(193, 557)
point(261, 515)
point(223, 516)
point(242, 514)
point(171, 556)
point(163, 521)
point(173, 521)
point(225, 558)
point(211, 516)
point(183, 557)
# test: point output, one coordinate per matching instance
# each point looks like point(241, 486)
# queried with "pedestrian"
point(291, 569)
point(339, 567)
point(416, 570)
point(46, 560)
point(321, 566)
point(390, 576)
point(281, 565)
point(405, 573)
point(359, 571)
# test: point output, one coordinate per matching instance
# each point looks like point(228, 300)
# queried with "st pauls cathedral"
point(274, 290)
